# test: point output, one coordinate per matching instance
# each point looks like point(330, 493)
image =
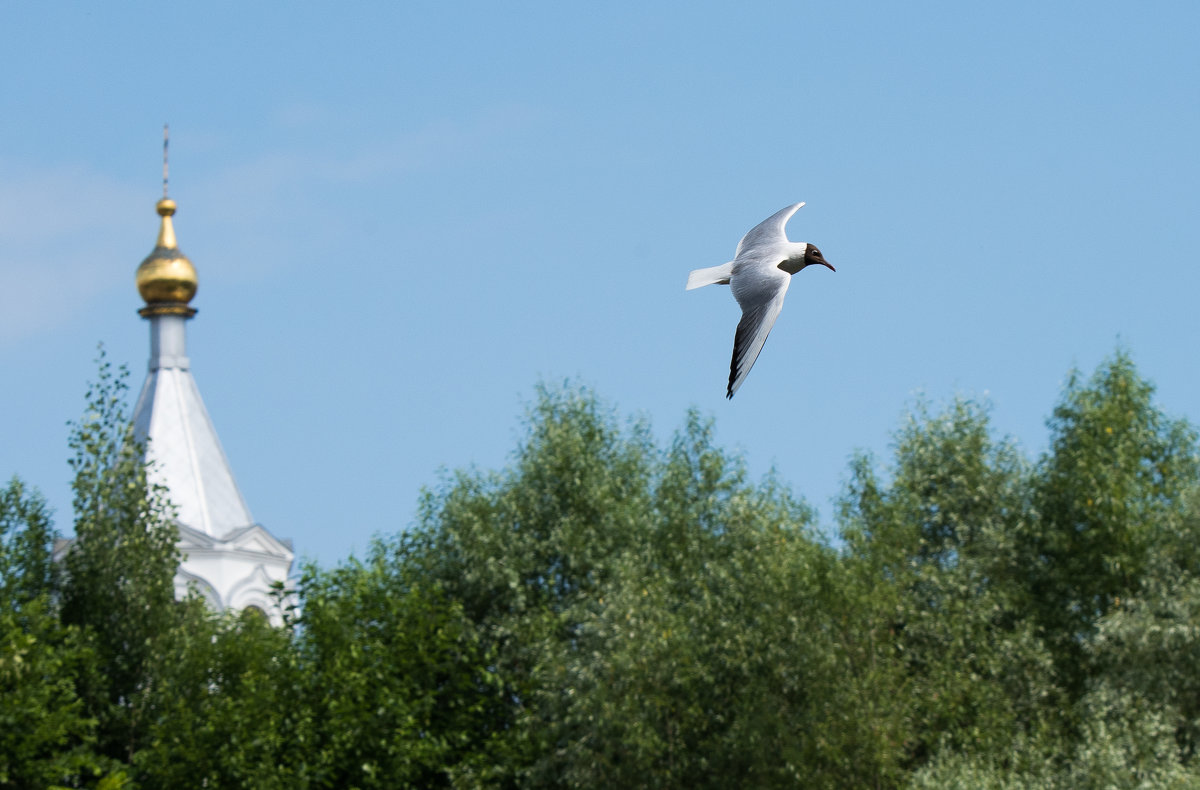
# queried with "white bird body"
point(759, 275)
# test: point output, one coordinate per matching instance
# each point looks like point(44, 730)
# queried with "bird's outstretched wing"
point(761, 304)
point(770, 230)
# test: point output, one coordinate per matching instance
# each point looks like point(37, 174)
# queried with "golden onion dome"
point(166, 279)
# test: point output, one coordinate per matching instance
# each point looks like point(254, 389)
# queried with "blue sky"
point(405, 216)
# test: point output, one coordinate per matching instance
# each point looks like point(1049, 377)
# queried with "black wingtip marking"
point(740, 339)
point(733, 374)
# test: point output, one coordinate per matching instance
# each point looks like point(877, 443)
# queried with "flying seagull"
point(758, 275)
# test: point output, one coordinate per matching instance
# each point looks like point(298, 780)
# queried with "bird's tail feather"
point(713, 275)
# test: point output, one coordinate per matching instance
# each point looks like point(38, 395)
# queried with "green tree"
point(119, 572)
point(1106, 571)
point(46, 736)
point(1146, 648)
point(228, 705)
point(523, 549)
point(1111, 489)
point(711, 658)
point(607, 612)
point(398, 679)
point(939, 542)
point(655, 619)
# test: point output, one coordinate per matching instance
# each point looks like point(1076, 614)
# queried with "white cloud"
point(64, 238)
point(434, 145)
point(34, 296)
point(39, 206)
point(70, 232)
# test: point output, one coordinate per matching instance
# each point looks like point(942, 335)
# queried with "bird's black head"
point(813, 255)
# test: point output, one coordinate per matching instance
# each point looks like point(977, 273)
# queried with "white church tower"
point(228, 558)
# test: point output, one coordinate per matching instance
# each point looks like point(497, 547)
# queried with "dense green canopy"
point(609, 612)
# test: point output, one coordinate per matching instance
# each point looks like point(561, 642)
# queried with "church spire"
point(166, 139)
point(170, 413)
point(231, 560)
point(166, 279)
